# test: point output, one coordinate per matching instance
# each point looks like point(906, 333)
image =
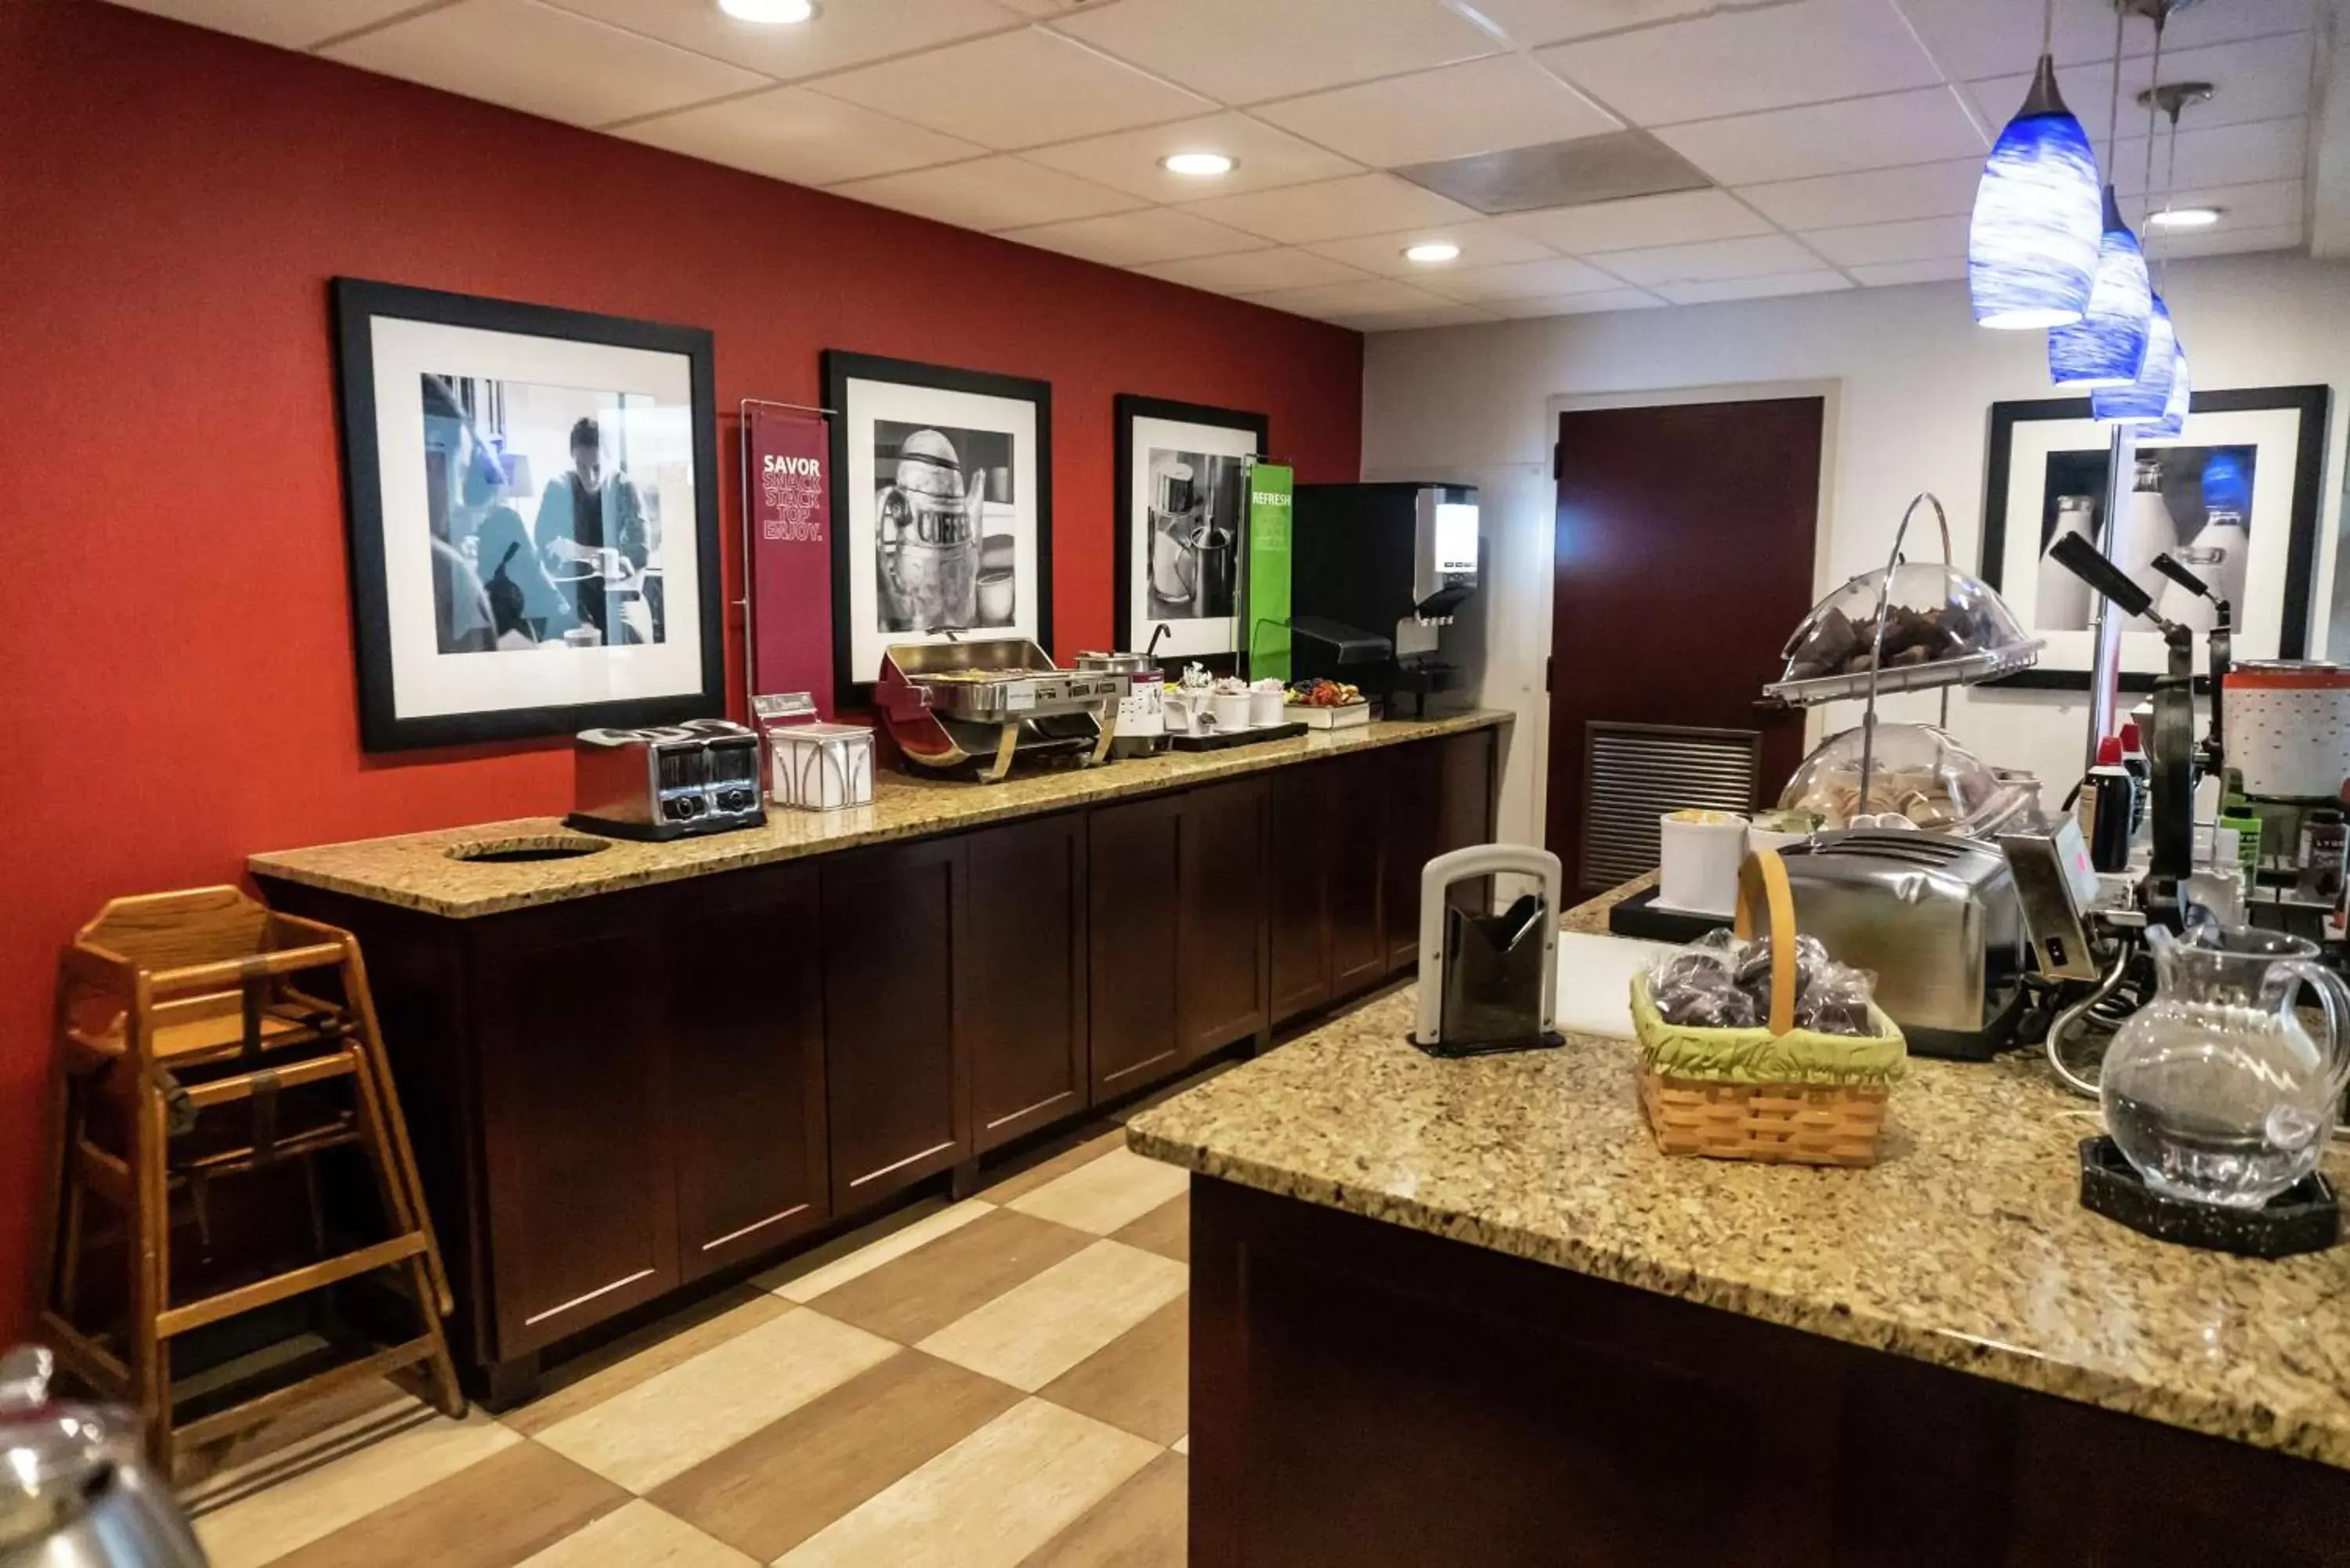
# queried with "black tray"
point(1638, 916)
point(1234, 738)
point(2305, 1217)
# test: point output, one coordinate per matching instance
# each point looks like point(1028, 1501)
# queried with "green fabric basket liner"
point(1758, 1057)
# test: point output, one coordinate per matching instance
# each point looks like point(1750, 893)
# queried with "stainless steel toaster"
point(1936, 917)
point(669, 782)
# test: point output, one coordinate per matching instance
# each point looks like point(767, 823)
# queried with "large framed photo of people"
point(531, 501)
point(943, 511)
point(1182, 492)
point(2234, 498)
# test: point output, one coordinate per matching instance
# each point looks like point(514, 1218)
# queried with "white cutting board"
point(1595, 981)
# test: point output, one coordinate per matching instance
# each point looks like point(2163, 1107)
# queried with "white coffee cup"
point(1232, 710)
point(1697, 864)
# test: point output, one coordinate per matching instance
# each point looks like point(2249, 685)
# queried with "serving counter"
point(1466, 1312)
point(644, 1065)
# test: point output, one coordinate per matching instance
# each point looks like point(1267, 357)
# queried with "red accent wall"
point(175, 660)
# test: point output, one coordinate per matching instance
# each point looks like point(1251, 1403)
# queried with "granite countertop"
point(416, 871)
point(1967, 1246)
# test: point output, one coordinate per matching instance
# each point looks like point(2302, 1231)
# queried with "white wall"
point(1912, 380)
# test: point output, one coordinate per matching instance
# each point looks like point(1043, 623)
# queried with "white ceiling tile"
point(1333, 209)
point(1519, 280)
point(1879, 275)
point(1681, 218)
point(1014, 90)
point(2260, 78)
point(791, 133)
point(1754, 287)
point(1735, 62)
point(1137, 239)
point(1245, 51)
point(2223, 155)
point(524, 56)
point(1579, 304)
point(1533, 22)
point(1454, 111)
point(2226, 241)
point(1366, 297)
point(1872, 196)
point(1922, 127)
point(1979, 38)
point(1415, 320)
point(1917, 240)
point(847, 33)
point(289, 26)
point(999, 193)
point(1711, 262)
point(1482, 243)
point(1128, 160)
point(1254, 272)
point(2275, 205)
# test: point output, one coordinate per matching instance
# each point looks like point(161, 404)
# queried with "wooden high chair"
point(173, 1005)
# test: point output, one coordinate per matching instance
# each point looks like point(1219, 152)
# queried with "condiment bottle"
point(2106, 795)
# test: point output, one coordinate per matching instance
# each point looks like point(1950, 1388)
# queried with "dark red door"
point(1684, 561)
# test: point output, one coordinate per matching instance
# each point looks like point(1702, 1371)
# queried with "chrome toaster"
point(1936, 917)
point(669, 782)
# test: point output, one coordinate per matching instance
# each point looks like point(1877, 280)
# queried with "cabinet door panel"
point(899, 1105)
point(1299, 909)
point(1356, 852)
point(745, 1034)
point(1020, 999)
point(1130, 925)
point(1413, 786)
point(1221, 942)
point(583, 1207)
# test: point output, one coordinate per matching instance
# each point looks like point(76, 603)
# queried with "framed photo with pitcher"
point(943, 511)
point(2235, 497)
point(1182, 497)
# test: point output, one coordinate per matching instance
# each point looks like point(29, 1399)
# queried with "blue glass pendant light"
point(2039, 220)
point(2106, 348)
point(2175, 405)
point(2147, 399)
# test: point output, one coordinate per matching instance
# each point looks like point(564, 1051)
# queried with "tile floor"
point(999, 1381)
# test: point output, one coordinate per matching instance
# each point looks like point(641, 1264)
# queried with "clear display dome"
point(1942, 627)
point(1918, 774)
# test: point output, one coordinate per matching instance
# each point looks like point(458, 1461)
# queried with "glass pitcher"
point(2214, 1090)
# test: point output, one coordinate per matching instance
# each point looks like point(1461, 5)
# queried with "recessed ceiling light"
point(774, 13)
point(1432, 253)
point(2183, 218)
point(1198, 165)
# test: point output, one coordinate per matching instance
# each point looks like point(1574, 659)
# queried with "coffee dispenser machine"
point(1377, 572)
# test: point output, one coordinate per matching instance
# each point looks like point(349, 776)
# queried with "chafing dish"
point(1936, 917)
point(949, 704)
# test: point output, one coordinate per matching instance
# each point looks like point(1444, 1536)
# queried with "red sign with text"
point(788, 456)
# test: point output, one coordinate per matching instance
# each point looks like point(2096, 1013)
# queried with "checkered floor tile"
point(999, 1381)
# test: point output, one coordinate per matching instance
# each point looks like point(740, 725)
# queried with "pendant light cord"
point(2113, 113)
point(2048, 30)
point(2153, 107)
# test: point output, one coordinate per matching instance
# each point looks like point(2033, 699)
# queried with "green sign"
point(1265, 605)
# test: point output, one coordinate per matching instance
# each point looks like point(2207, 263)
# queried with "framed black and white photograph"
point(2234, 498)
point(943, 520)
point(1182, 495)
point(531, 502)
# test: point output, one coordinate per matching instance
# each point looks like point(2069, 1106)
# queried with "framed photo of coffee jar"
point(1182, 493)
point(943, 518)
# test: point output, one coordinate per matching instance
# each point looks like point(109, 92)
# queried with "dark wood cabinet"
point(619, 1095)
point(1020, 981)
point(894, 1086)
point(1220, 917)
point(745, 1024)
point(582, 1216)
point(1132, 857)
point(1324, 859)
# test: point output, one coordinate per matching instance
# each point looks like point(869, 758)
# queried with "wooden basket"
point(1773, 1123)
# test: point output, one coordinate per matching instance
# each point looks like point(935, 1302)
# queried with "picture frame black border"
point(842, 366)
point(2314, 405)
point(354, 304)
point(1125, 408)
